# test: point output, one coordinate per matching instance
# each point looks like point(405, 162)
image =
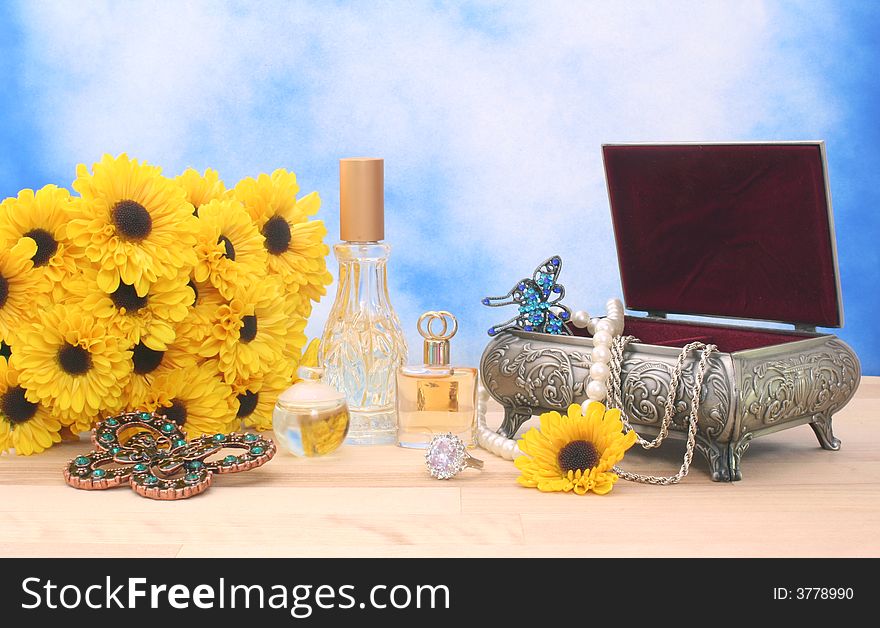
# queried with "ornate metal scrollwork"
point(817, 382)
point(744, 395)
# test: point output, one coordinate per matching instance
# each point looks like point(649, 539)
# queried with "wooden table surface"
point(795, 500)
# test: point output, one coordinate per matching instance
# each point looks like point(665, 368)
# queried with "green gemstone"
point(140, 467)
point(230, 460)
point(145, 416)
point(257, 450)
point(219, 437)
point(151, 479)
point(106, 437)
point(168, 428)
point(115, 450)
point(192, 477)
point(250, 437)
point(111, 422)
point(98, 473)
point(195, 464)
point(180, 442)
point(81, 461)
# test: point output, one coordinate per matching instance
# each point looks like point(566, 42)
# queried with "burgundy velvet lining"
point(679, 333)
point(738, 230)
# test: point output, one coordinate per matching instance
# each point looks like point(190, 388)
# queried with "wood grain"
point(795, 500)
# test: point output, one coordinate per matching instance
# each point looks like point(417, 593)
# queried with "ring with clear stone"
point(447, 456)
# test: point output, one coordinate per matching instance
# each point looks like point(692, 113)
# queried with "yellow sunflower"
point(200, 316)
point(230, 250)
point(249, 333)
point(26, 426)
point(200, 188)
point(255, 399)
point(149, 363)
point(42, 217)
point(194, 398)
point(574, 452)
point(20, 286)
point(294, 243)
point(135, 224)
point(70, 361)
point(147, 319)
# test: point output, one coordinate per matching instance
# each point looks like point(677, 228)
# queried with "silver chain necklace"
point(614, 401)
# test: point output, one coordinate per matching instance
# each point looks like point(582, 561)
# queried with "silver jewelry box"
point(732, 230)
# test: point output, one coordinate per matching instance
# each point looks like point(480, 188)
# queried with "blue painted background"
point(489, 115)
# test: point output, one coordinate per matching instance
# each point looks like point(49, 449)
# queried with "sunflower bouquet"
point(144, 292)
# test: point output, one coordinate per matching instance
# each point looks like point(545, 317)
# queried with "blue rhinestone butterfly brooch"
point(539, 298)
point(151, 454)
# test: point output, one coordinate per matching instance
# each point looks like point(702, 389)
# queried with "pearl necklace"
point(603, 330)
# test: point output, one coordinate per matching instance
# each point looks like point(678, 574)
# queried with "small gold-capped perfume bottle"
point(310, 418)
point(434, 397)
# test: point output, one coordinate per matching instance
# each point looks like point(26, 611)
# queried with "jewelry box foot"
point(724, 460)
point(824, 434)
point(513, 420)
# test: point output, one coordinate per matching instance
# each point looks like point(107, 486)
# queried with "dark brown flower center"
point(146, 360)
point(227, 245)
point(132, 220)
point(47, 245)
point(578, 455)
point(247, 403)
point(5, 350)
point(248, 328)
point(277, 234)
point(176, 412)
point(74, 360)
point(125, 296)
point(4, 290)
point(15, 407)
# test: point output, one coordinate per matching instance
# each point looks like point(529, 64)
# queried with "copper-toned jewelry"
point(157, 461)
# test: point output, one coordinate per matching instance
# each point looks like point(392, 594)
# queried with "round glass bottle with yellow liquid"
point(310, 418)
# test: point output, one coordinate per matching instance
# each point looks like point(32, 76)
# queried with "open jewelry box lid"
point(740, 230)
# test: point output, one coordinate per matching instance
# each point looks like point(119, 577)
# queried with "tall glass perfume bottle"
point(363, 346)
point(434, 397)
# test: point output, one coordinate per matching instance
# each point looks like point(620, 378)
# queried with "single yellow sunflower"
point(135, 224)
point(255, 399)
point(26, 426)
point(294, 243)
point(249, 333)
point(200, 189)
point(149, 363)
point(42, 216)
point(70, 361)
point(230, 250)
point(194, 398)
point(575, 452)
point(148, 319)
point(20, 287)
point(200, 316)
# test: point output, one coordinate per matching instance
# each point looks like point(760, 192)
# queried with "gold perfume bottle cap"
point(437, 342)
point(362, 199)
